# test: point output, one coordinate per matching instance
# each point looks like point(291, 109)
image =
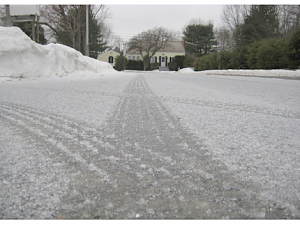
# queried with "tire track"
point(88, 146)
point(62, 137)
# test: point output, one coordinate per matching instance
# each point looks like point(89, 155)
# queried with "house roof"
point(173, 46)
point(109, 51)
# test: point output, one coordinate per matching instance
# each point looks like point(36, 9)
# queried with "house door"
point(163, 61)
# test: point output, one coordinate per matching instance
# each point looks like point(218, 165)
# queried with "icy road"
point(150, 145)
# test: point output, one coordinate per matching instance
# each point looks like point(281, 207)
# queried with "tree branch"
point(47, 24)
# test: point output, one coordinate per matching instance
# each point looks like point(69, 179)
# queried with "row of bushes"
point(181, 62)
point(123, 63)
point(280, 53)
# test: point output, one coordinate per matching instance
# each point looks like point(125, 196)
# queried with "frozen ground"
point(150, 145)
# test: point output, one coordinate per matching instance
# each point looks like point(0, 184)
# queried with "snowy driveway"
point(150, 145)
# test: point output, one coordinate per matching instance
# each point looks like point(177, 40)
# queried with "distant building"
point(163, 56)
point(109, 56)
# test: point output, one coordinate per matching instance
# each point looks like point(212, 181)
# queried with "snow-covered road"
point(150, 145)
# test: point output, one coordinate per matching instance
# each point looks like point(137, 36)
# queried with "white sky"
point(129, 20)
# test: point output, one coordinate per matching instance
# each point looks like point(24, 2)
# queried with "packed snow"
point(20, 57)
point(186, 70)
point(253, 73)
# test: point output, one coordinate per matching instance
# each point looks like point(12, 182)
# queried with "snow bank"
point(259, 73)
point(252, 73)
point(186, 70)
point(22, 57)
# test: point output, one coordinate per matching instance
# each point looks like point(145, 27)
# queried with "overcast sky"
point(130, 17)
point(129, 20)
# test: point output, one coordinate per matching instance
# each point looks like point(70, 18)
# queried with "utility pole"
point(124, 48)
point(33, 28)
point(87, 31)
point(38, 29)
point(8, 19)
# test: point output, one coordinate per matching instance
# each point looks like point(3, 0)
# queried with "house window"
point(133, 57)
point(111, 59)
point(154, 59)
point(137, 58)
point(129, 57)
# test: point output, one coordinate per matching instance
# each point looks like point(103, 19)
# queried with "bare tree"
point(223, 38)
point(66, 21)
point(289, 18)
point(149, 42)
point(233, 16)
point(67, 24)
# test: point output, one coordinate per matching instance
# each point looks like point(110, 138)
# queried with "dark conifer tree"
point(200, 39)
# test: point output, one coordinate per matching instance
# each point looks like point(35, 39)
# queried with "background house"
point(163, 56)
point(109, 56)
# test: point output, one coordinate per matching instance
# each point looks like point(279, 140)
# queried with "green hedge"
point(294, 50)
point(135, 65)
point(121, 63)
point(269, 54)
point(279, 53)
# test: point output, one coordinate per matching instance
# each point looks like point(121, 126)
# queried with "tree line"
point(252, 37)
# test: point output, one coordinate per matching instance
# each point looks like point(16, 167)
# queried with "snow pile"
point(252, 73)
point(22, 57)
point(186, 70)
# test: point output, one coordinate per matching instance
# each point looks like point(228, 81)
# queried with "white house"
point(109, 56)
point(163, 56)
